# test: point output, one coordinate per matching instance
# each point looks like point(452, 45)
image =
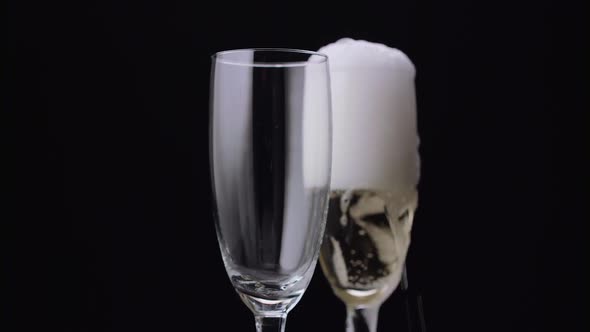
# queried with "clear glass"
point(270, 152)
point(373, 188)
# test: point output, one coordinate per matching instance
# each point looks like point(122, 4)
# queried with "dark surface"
point(106, 218)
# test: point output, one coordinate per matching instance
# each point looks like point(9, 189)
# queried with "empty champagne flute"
point(270, 154)
point(374, 176)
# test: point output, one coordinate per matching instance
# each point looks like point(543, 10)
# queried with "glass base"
point(269, 307)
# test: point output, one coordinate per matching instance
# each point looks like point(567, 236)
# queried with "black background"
point(106, 218)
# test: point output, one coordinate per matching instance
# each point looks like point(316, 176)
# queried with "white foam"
point(375, 138)
point(361, 53)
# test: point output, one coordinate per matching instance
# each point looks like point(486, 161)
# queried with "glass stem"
point(271, 323)
point(362, 319)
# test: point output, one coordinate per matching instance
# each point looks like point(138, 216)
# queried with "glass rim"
point(296, 63)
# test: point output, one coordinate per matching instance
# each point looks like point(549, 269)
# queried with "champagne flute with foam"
point(375, 171)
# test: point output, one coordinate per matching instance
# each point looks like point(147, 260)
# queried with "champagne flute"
point(374, 176)
point(270, 152)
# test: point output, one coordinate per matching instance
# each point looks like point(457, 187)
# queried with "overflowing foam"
point(375, 138)
point(361, 53)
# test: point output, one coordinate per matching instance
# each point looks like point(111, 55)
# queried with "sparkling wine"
point(366, 242)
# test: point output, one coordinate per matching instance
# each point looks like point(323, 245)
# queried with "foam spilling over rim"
point(348, 52)
point(375, 138)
